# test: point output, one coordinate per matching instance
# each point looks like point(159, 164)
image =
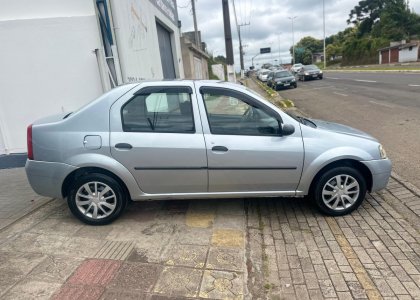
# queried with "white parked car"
point(296, 68)
point(263, 75)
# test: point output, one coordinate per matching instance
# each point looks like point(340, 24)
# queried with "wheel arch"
point(364, 170)
point(72, 177)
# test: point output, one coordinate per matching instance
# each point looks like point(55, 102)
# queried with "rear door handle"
point(220, 149)
point(123, 146)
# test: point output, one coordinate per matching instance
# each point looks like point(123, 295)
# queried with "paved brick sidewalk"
point(16, 197)
point(219, 249)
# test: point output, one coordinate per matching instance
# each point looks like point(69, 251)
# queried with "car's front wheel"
point(96, 199)
point(339, 191)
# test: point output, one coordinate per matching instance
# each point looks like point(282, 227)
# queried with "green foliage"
point(305, 48)
point(214, 61)
point(375, 24)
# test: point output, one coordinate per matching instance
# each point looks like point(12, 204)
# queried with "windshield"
point(282, 74)
point(265, 72)
point(311, 67)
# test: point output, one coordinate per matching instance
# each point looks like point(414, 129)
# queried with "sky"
point(269, 24)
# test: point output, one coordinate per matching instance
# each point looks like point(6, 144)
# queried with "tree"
point(366, 14)
point(305, 48)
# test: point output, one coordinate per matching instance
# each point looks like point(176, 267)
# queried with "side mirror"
point(287, 129)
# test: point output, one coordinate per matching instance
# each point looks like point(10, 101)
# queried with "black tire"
point(120, 199)
point(326, 177)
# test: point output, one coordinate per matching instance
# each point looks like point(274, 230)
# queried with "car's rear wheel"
point(96, 199)
point(339, 191)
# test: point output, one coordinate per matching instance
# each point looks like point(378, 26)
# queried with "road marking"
point(361, 80)
point(322, 87)
point(383, 104)
point(344, 95)
point(335, 78)
point(414, 85)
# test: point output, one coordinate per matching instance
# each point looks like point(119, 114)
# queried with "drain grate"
point(115, 250)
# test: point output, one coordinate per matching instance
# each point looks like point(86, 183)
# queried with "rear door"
point(157, 135)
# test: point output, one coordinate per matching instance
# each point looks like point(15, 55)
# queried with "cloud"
point(270, 25)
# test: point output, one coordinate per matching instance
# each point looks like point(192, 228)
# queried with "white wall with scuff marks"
point(137, 40)
point(47, 64)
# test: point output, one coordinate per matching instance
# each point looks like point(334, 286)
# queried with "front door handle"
point(220, 149)
point(123, 146)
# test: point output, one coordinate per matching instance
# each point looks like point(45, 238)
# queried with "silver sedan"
point(195, 140)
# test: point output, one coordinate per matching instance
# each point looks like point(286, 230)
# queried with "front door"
point(245, 150)
point(157, 136)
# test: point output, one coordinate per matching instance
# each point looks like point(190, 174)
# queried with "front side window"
point(231, 115)
point(159, 112)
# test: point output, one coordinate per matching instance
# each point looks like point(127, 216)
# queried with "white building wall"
point(409, 56)
point(137, 40)
point(47, 64)
point(2, 147)
point(219, 71)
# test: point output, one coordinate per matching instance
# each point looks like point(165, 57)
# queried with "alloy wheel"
point(96, 200)
point(340, 192)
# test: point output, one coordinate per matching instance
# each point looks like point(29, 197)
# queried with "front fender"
point(314, 163)
point(109, 164)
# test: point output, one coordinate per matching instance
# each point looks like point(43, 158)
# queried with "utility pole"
point(278, 36)
point(241, 51)
point(325, 52)
point(228, 41)
point(197, 39)
point(293, 37)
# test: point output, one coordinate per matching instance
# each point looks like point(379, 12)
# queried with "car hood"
point(340, 128)
point(284, 79)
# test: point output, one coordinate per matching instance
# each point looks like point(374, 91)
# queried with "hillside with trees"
point(372, 24)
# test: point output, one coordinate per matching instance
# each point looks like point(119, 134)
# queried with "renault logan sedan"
point(195, 140)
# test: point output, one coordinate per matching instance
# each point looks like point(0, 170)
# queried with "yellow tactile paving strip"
point(361, 274)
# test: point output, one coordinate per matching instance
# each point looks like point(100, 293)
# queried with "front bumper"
point(285, 85)
point(46, 178)
point(381, 171)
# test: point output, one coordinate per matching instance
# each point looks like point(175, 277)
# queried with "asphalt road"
point(386, 105)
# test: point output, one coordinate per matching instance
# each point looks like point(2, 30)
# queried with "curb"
point(409, 186)
point(283, 103)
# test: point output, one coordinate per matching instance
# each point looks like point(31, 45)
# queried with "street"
point(386, 105)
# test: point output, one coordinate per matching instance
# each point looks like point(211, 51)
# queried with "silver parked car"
point(194, 140)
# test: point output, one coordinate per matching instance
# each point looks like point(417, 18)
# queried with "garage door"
point(166, 56)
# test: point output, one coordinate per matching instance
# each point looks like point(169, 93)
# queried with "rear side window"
point(169, 112)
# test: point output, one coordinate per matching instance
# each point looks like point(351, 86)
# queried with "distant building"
point(317, 57)
point(400, 52)
point(194, 56)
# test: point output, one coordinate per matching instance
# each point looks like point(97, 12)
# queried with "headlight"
point(293, 80)
point(306, 73)
point(320, 72)
point(382, 152)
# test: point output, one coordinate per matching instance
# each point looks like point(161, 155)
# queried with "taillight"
point(29, 140)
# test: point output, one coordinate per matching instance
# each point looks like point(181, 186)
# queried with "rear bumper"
point(381, 171)
point(46, 178)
